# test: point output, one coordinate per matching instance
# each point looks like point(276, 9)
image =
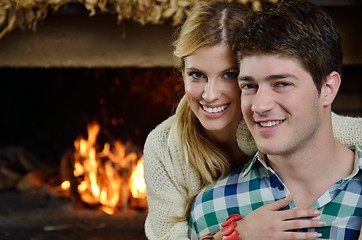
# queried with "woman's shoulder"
point(161, 131)
point(160, 139)
point(350, 121)
point(347, 129)
point(245, 140)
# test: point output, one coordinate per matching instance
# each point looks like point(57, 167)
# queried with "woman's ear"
point(330, 88)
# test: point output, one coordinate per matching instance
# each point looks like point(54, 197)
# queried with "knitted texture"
point(245, 140)
point(170, 180)
point(348, 130)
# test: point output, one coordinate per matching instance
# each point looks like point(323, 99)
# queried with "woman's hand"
point(268, 222)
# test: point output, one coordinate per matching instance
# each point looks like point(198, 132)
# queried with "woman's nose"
point(211, 91)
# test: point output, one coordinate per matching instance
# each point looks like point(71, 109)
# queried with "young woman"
point(206, 138)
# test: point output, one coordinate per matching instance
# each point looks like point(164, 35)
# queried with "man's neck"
point(308, 174)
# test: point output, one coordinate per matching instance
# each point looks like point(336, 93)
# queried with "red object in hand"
point(228, 227)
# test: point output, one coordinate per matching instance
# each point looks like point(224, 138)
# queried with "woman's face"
point(211, 87)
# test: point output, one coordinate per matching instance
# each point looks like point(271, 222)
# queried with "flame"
point(107, 177)
point(65, 185)
point(137, 181)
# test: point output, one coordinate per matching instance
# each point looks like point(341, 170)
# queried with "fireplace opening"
point(46, 109)
point(44, 113)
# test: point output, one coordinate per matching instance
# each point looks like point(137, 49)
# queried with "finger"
point(300, 235)
point(296, 213)
point(277, 205)
point(302, 223)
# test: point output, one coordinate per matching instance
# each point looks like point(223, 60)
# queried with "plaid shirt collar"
point(261, 157)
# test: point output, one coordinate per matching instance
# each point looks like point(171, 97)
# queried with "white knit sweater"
point(170, 180)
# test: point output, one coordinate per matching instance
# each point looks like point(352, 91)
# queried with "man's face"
point(279, 102)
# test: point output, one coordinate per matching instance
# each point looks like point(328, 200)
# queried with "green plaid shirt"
point(245, 190)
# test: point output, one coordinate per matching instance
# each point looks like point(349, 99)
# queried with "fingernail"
point(321, 223)
point(317, 212)
point(318, 235)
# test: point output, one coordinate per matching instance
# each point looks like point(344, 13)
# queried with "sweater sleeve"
point(166, 197)
point(348, 130)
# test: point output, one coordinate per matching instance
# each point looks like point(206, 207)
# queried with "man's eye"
point(247, 86)
point(283, 84)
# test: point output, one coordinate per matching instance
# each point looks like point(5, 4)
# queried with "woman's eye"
point(231, 75)
point(196, 75)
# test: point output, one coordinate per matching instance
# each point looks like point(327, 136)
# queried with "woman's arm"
point(165, 195)
point(268, 223)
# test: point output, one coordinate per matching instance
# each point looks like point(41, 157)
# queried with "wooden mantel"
point(77, 40)
point(83, 41)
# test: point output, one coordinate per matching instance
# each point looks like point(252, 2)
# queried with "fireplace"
point(74, 70)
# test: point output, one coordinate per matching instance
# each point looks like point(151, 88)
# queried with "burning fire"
point(107, 177)
point(137, 182)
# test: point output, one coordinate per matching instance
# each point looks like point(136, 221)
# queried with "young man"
point(290, 60)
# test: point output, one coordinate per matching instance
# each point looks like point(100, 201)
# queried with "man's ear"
point(330, 88)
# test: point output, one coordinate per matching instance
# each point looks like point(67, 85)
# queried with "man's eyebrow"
point(245, 78)
point(280, 76)
point(270, 77)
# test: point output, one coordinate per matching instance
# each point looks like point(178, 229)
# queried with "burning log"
point(66, 171)
point(103, 178)
point(8, 178)
point(20, 170)
point(35, 178)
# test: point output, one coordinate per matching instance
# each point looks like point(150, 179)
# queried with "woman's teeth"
point(214, 110)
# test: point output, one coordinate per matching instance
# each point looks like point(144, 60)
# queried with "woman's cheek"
point(193, 91)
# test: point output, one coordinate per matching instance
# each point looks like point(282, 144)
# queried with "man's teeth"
point(270, 123)
point(214, 110)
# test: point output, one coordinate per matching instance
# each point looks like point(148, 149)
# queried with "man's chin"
point(266, 147)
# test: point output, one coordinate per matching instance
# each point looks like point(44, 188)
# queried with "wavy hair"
point(209, 24)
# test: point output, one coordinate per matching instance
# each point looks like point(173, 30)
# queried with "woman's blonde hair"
point(209, 24)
